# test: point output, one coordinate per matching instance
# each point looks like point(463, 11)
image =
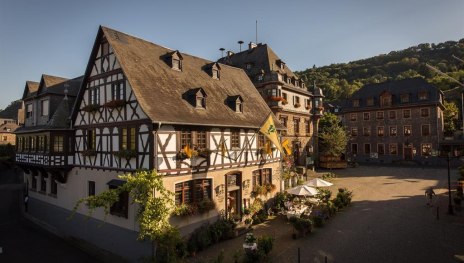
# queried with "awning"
point(116, 182)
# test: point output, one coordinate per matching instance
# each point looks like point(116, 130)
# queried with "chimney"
point(230, 53)
point(251, 45)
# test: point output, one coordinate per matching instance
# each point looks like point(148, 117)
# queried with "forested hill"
point(339, 81)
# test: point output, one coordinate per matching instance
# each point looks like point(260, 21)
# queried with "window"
point(296, 125)
point(260, 77)
point(262, 177)
point(58, 142)
point(380, 131)
point(185, 138)
point(284, 95)
point(404, 98)
point(385, 100)
point(393, 131)
point(121, 207)
point(33, 146)
point(367, 148)
point(367, 131)
point(392, 114)
point(407, 130)
point(128, 139)
point(307, 126)
point(380, 149)
point(27, 143)
point(261, 141)
point(41, 141)
point(248, 66)
point(215, 74)
point(176, 64)
point(28, 111)
point(393, 149)
point(94, 94)
point(380, 115)
point(354, 131)
point(354, 148)
point(90, 188)
point(44, 108)
point(200, 101)
point(307, 104)
point(4, 138)
point(355, 103)
point(425, 112)
point(423, 95)
point(239, 105)
point(43, 184)
point(406, 114)
point(353, 117)
point(91, 140)
point(283, 120)
point(117, 90)
point(235, 139)
point(53, 187)
point(193, 191)
point(201, 139)
point(425, 130)
point(370, 101)
point(34, 182)
point(426, 149)
point(366, 116)
point(296, 101)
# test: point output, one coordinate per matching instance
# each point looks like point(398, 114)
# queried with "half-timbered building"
point(296, 106)
point(144, 106)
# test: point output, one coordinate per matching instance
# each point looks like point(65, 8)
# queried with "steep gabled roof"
point(30, 89)
point(262, 57)
point(160, 90)
point(48, 81)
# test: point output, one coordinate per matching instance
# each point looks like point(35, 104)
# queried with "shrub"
point(265, 244)
point(280, 199)
point(328, 176)
point(302, 225)
point(318, 220)
point(345, 196)
point(206, 205)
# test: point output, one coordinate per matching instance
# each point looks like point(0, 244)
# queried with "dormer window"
point(215, 71)
point(239, 104)
point(248, 66)
point(200, 101)
point(404, 98)
point(370, 101)
point(176, 60)
point(280, 64)
point(355, 103)
point(385, 99)
point(423, 95)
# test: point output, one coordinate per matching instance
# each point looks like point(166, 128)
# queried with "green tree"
point(333, 137)
point(450, 117)
point(155, 206)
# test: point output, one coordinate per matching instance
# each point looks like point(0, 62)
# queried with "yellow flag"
point(223, 147)
point(286, 146)
point(188, 151)
point(269, 130)
point(268, 148)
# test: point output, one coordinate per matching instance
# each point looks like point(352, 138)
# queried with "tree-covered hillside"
point(339, 81)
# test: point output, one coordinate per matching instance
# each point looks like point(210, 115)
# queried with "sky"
point(55, 37)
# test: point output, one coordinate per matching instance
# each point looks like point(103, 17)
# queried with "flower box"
point(275, 98)
point(127, 154)
point(115, 104)
point(297, 105)
point(89, 153)
point(284, 102)
point(308, 107)
point(91, 108)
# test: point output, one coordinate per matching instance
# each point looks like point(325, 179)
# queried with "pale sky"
point(55, 37)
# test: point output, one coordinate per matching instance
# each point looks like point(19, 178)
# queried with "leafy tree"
point(155, 206)
point(450, 117)
point(333, 137)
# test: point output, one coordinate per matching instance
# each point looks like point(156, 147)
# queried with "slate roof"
point(161, 91)
point(30, 89)
point(410, 86)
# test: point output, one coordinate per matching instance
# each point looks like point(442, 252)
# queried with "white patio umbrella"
point(302, 190)
point(316, 182)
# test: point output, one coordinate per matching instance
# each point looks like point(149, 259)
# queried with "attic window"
point(215, 68)
point(176, 60)
point(423, 95)
point(280, 63)
point(248, 66)
point(404, 98)
point(200, 99)
point(239, 105)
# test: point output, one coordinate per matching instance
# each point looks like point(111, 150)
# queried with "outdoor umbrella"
point(302, 190)
point(316, 182)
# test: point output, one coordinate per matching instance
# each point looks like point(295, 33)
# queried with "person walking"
point(429, 193)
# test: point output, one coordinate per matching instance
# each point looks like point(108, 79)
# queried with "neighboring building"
point(7, 135)
point(395, 120)
point(44, 142)
point(297, 108)
point(138, 107)
point(10, 113)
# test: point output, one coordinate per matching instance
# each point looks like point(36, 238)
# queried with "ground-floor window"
point(121, 207)
point(43, 184)
point(193, 191)
point(53, 187)
point(381, 149)
point(354, 148)
point(426, 149)
point(393, 149)
point(262, 177)
point(367, 148)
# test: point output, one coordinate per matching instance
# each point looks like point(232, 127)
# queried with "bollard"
point(325, 260)
point(298, 255)
point(438, 214)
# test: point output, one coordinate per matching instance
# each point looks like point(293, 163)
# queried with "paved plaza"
point(388, 221)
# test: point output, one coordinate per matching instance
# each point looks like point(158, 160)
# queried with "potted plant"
point(125, 153)
point(205, 205)
point(297, 105)
point(90, 108)
point(284, 102)
point(115, 104)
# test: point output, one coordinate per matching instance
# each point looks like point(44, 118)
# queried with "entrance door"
point(408, 153)
point(234, 194)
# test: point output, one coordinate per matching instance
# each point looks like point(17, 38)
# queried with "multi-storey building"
point(297, 108)
point(44, 142)
point(395, 120)
point(7, 135)
point(140, 106)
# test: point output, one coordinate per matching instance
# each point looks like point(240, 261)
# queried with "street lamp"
point(450, 206)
